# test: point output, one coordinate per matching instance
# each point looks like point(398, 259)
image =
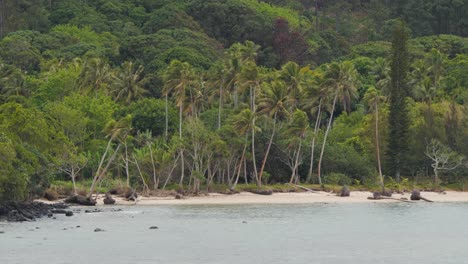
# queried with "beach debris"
point(131, 195)
point(262, 192)
point(80, 200)
point(154, 227)
point(109, 199)
point(416, 196)
point(345, 192)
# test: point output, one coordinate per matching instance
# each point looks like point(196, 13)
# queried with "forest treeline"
point(202, 92)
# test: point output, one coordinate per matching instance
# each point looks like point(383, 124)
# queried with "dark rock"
point(387, 193)
point(154, 227)
point(50, 215)
point(99, 230)
point(27, 211)
point(78, 226)
point(54, 217)
point(415, 195)
point(109, 199)
point(131, 195)
point(59, 211)
point(2, 232)
point(69, 213)
point(37, 227)
point(244, 222)
point(178, 196)
point(377, 195)
point(345, 192)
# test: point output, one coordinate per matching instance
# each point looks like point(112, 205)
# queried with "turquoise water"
point(315, 233)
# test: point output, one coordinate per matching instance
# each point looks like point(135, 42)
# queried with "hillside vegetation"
point(202, 93)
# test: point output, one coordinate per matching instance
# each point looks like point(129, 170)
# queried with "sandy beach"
point(286, 198)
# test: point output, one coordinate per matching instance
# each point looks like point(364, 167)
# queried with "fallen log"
point(80, 200)
point(262, 192)
point(303, 188)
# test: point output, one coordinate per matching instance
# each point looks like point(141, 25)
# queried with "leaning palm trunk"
point(312, 145)
point(241, 161)
point(377, 147)
point(295, 175)
point(100, 173)
point(145, 186)
point(254, 163)
point(267, 150)
point(319, 167)
point(155, 178)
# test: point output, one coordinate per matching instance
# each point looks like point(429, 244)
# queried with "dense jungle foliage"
point(195, 93)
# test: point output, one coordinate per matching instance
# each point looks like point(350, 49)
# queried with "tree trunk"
point(296, 164)
point(220, 105)
point(241, 161)
point(167, 120)
point(377, 146)
point(312, 145)
point(73, 176)
point(127, 171)
point(254, 163)
point(99, 176)
point(268, 149)
point(155, 178)
point(325, 140)
point(145, 186)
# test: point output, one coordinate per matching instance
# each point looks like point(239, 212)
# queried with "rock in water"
point(81, 200)
point(345, 192)
point(69, 213)
point(99, 230)
point(109, 199)
point(415, 195)
point(154, 227)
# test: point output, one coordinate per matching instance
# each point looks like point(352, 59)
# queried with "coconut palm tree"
point(96, 74)
point(243, 124)
point(296, 79)
point(373, 98)
point(297, 128)
point(273, 104)
point(341, 81)
point(127, 83)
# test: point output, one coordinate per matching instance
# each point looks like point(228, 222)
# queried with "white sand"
point(287, 198)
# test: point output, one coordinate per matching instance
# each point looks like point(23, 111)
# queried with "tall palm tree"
point(243, 124)
point(273, 103)
point(298, 128)
point(381, 72)
point(373, 98)
point(341, 80)
point(179, 76)
point(127, 83)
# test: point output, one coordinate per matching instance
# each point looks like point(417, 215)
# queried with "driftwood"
point(303, 188)
point(262, 192)
point(416, 196)
point(80, 200)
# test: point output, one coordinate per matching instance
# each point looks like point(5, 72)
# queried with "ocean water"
point(307, 233)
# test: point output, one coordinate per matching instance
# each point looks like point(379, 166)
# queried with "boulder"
point(109, 199)
point(345, 192)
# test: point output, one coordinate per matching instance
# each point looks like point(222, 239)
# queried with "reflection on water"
point(315, 233)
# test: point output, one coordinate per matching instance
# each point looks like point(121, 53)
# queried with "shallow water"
point(313, 233)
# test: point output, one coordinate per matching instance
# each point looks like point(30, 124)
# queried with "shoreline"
point(280, 198)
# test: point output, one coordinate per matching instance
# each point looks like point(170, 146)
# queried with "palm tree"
point(96, 74)
point(381, 72)
point(298, 128)
point(127, 83)
point(273, 103)
point(296, 79)
point(244, 124)
point(373, 97)
point(341, 81)
point(116, 130)
point(178, 77)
